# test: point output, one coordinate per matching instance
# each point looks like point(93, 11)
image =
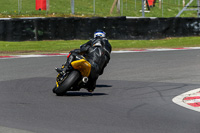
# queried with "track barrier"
point(119, 28)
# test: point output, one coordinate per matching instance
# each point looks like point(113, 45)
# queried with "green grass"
point(34, 47)
point(84, 8)
point(62, 8)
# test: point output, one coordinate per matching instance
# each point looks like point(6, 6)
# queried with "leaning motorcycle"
point(73, 79)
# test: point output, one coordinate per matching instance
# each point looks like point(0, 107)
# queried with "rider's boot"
point(92, 86)
point(67, 65)
point(63, 70)
point(59, 70)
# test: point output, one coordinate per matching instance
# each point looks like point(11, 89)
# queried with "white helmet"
point(99, 33)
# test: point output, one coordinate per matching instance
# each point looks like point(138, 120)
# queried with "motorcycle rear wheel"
point(67, 83)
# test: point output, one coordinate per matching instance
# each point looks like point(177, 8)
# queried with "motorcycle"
point(74, 78)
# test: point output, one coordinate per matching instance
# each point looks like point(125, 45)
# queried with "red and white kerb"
point(190, 100)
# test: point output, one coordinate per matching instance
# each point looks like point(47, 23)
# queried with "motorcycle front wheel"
point(67, 83)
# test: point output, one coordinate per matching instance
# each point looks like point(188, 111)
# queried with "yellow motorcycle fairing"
point(57, 84)
point(83, 66)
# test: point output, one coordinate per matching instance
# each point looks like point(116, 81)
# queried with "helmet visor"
point(100, 34)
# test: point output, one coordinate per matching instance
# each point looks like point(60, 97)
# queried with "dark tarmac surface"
point(134, 95)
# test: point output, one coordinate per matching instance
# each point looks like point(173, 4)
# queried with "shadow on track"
point(103, 86)
point(83, 94)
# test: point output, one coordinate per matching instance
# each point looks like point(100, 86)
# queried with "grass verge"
point(85, 8)
point(38, 47)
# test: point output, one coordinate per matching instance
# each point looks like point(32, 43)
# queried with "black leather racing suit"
point(97, 55)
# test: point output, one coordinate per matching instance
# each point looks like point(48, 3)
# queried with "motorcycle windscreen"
point(83, 66)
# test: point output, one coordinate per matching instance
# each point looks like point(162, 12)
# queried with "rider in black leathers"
point(96, 52)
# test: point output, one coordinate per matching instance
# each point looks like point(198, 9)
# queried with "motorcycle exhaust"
point(85, 79)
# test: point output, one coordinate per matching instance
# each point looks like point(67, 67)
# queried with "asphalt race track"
point(134, 95)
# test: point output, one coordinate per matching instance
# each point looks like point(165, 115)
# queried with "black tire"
point(68, 83)
point(54, 88)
